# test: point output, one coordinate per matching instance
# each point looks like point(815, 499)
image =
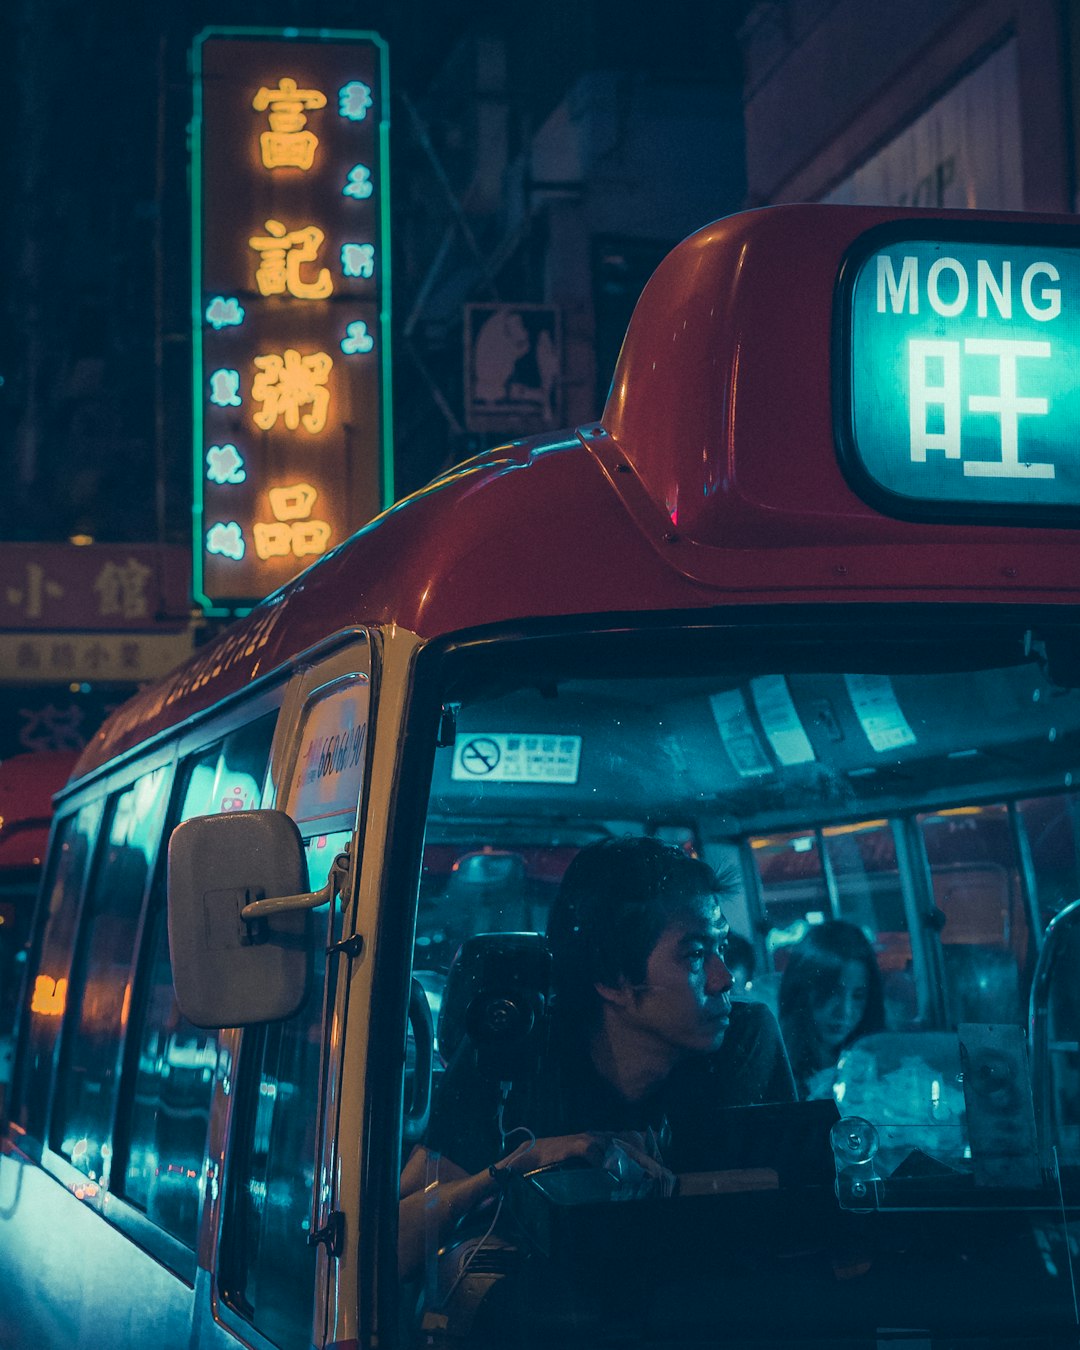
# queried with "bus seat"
point(497, 993)
point(487, 892)
point(982, 983)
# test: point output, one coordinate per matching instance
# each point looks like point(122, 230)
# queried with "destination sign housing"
point(961, 385)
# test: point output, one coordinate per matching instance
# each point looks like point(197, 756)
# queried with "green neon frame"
point(386, 428)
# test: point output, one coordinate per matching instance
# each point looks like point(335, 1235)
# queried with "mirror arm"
point(287, 904)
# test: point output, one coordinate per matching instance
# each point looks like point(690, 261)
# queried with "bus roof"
point(712, 478)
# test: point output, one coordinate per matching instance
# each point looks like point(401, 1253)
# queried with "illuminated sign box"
point(959, 360)
point(290, 304)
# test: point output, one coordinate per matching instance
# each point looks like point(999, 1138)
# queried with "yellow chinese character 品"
point(285, 384)
point(287, 145)
point(291, 531)
point(281, 254)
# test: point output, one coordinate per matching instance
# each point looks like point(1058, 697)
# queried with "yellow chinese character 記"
point(281, 255)
point(285, 384)
point(287, 145)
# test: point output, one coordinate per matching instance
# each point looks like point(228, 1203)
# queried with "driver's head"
point(617, 899)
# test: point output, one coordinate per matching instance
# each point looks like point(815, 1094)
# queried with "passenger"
point(830, 996)
point(740, 960)
point(645, 1040)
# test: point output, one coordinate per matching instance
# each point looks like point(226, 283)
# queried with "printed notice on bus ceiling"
point(879, 712)
point(329, 772)
point(962, 377)
point(741, 741)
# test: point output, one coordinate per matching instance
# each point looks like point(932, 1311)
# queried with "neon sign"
point(291, 387)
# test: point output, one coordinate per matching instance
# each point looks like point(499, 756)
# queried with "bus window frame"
point(573, 645)
point(857, 476)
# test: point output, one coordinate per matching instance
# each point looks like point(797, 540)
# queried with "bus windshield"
point(890, 831)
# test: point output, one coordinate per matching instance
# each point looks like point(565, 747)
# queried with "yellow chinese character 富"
point(287, 145)
point(281, 254)
point(285, 384)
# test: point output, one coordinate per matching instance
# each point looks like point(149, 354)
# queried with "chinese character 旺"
point(281, 254)
point(358, 185)
point(226, 540)
point(225, 464)
point(121, 589)
point(357, 339)
point(358, 260)
point(354, 100)
point(225, 388)
point(287, 145)
point(285, 384)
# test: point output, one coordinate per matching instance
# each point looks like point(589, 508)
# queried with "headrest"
point(496, 991)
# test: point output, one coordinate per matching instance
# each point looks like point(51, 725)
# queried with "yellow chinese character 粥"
point(285, 384)
point(291, 531)
point(287, 145)
point(281, 254)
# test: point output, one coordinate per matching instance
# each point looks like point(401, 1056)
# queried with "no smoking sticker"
point(510, 757)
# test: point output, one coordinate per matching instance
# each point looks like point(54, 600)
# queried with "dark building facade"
point(966, 103)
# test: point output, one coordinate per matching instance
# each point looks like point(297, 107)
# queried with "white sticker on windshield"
point(512, 757)
point(878, 711)
point(741, 741)
point(780, 720)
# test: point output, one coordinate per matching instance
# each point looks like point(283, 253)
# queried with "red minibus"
point(803, 604)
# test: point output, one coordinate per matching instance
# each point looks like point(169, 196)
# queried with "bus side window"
point(1052, 826)
point(165, 1118)
point(81, 1124)
point(976, 880)
point(869, 894)
point(46, 992)
point(268, 1268)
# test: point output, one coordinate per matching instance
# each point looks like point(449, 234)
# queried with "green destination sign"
point(963, 380)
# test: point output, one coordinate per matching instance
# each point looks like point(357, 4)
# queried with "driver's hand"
point(590, 1146)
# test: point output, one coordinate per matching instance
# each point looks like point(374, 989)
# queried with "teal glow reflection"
point(963, 372)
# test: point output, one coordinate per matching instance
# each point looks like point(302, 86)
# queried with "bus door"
point(275, 1279)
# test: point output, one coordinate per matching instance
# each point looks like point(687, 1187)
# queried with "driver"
point(645, 1039)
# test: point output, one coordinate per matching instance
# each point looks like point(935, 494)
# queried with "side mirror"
point(232, 970)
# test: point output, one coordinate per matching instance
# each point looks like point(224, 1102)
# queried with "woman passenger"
point(830, 997)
